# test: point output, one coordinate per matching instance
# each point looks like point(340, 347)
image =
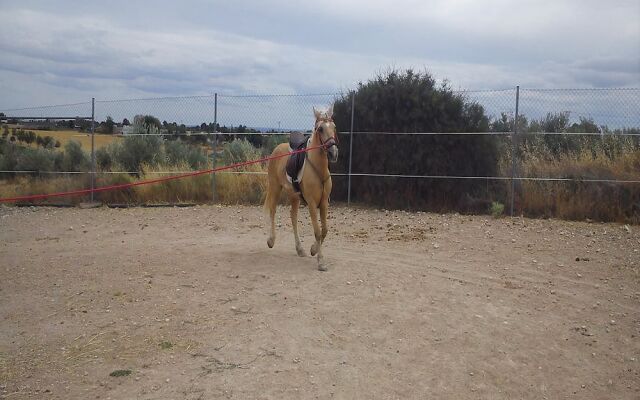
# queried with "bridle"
point(332, 141)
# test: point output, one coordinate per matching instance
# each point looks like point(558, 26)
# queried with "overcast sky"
point(67, 51)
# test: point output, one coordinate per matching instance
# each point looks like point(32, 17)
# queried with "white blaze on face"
point(326, 128)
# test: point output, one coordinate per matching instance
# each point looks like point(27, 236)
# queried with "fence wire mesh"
point(566, 140)
point(62, 111)
point(558, 110)
point(276, 113)
point(188, 111)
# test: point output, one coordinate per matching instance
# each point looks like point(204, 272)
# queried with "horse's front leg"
point(295, 204)
point(316, 248)
point(324, 208)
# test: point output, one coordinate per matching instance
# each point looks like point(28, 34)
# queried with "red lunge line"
point(150, 181)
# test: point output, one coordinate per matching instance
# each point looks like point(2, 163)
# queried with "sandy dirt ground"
point(191, 304)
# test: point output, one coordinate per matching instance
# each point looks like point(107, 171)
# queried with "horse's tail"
point(271, 173)
point(267, 199)
point(273, 183)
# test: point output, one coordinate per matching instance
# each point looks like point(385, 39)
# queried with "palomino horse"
point(315, 185)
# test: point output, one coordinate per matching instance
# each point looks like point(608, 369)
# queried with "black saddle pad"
point(297, 141)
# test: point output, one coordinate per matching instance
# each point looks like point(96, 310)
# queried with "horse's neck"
point(317, 156)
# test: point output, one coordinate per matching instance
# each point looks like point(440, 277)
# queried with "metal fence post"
point(214, 145)
point(353, 101)
point(93, 153)
point(513, 150)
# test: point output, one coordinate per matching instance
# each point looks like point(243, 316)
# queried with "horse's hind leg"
point(295, 204)
point(270, 205)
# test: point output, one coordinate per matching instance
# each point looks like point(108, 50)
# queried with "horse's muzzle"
point(333, 154)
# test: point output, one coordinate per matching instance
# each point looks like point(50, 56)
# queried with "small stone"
point(579, 275)
point(167, 380)
point(613, 322)
point(471, 373)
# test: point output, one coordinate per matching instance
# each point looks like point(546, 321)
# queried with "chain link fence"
point(550, 142)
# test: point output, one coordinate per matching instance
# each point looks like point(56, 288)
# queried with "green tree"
point(109, 125)
point(150, 122)
point(406, 101)
point(125, 122)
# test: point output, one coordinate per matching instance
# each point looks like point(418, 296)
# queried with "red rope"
point(150, 181)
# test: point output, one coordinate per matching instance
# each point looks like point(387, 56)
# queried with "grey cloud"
point(127, 49)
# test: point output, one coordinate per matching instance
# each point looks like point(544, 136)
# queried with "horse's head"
point(325, 130)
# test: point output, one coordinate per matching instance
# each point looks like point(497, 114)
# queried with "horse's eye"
point(320, 129)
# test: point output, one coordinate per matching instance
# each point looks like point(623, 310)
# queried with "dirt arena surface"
point(193, 305)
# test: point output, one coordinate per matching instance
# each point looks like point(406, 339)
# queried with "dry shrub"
point(240, 189)
point(230, 188)
point(577, 200)
point(120, 196)
point(185, 190)
point(30, 185)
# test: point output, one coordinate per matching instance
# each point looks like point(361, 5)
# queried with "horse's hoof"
point(301, 252)
point(314, 250)
point(322, 267)
point(270, 242)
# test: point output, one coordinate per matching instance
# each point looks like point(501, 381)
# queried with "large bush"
point(179, 153)
point(239, 150)
point(38, 160)
point(8, 156)
point(134, 151)
point(104, 159)
point(413, 102)
point(75, 159)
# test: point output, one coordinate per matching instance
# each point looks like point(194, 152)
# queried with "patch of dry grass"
point(83, 138)
point(581, 200)
point(230, 188)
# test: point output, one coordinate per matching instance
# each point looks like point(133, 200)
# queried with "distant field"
point(84, 138)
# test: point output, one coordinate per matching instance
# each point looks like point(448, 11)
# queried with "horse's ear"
point(317, 113)
point(330, 111)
